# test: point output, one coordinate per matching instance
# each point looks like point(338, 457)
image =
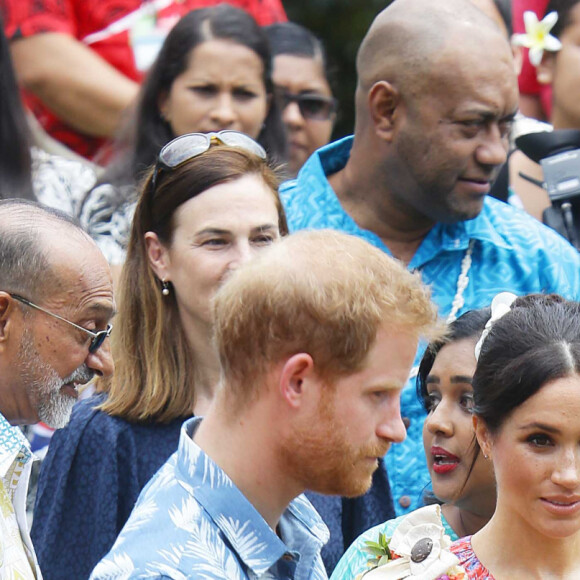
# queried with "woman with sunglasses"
point(212, 73)
point(208, 205)
point(301, 78)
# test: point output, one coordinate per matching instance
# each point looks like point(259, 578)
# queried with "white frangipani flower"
point(422, 550)
point(537, 36)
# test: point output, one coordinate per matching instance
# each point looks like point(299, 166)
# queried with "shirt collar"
point(442, 237)
point(13, 445)
point(245, 529)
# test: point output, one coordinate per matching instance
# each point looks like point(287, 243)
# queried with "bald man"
point(56, 300)
point(435, 98)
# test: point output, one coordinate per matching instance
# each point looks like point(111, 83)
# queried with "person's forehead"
point(82, 279)
point(474, 71)
point(489, 8)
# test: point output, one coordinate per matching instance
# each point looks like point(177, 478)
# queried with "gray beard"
point(44, 385)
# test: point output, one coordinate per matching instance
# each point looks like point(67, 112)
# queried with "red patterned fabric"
point(82, 18)
point(464, 551)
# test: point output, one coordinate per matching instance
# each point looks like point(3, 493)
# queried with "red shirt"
point(113, 29)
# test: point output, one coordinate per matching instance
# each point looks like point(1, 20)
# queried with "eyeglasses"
point(188, 146)
point(97, 338)
point(315, 107)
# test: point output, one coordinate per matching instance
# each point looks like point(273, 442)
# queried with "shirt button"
point(404, 501)
point(406, 422)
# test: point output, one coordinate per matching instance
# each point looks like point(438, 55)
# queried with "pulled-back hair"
point(324, 293)
point(295, 40)
point(536, 342)
point(468, 325)
point(155, 373)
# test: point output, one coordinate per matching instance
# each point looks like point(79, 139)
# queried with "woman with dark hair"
point(209, 204)
point(526, 408)
point(213, 72)
point(302, 80)
point(462, 481)
point(26, 171)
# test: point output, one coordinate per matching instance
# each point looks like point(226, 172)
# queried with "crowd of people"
point(269, 355)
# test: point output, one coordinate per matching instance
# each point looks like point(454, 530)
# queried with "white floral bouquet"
point(418, 550)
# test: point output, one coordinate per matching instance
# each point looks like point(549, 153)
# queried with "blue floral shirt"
point(511, 252)
point(191, 521)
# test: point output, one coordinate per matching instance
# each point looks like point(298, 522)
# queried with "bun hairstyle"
point(536, 342)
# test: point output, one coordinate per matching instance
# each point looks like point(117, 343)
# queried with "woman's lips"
point(443, 461)
point(562, 505)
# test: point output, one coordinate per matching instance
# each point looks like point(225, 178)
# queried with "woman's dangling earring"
point(165, 288)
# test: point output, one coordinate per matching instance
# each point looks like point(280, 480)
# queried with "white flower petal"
point(530, 21)
point(522, 40)
point(552, 43)
point(535, 55)
point(549, 20)
point(440, 567)
point(394, 570)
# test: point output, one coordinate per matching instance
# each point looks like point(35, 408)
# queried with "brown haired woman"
point(209, 205)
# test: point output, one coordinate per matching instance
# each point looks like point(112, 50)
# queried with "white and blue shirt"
point(191, 521)
point(511, 252)
point(17, 557)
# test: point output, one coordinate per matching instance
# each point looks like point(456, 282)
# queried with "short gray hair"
point(25, 267)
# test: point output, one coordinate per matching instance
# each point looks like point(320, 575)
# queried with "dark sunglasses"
point(97, 338)
point(190, 145)
point(315, 107)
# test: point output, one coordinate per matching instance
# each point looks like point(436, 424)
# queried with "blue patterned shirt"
point(191, 521)
point(511, 252)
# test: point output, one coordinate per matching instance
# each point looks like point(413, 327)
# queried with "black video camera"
point(558, 152)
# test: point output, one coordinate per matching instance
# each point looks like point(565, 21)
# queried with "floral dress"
point(463, 549)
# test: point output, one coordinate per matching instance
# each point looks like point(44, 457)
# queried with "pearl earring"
point(165, 289)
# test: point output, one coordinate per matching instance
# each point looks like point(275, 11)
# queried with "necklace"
point(458, 300)
point(462, 282)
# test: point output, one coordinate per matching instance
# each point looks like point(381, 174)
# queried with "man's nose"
point(492, 151)
point(101, 361)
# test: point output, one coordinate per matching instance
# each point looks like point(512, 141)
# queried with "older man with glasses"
point(56, 301)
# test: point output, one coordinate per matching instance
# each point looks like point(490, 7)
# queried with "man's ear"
point(545, 70)
point(7, 307)
point(383, 100)
point(296, 375)
point(483, 435)
point(158, 256)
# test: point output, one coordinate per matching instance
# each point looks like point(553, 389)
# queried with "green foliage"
point(380, 551)
point(341, 24)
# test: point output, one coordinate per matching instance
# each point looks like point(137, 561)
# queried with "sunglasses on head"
point(186, 147)
point(315, 107)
